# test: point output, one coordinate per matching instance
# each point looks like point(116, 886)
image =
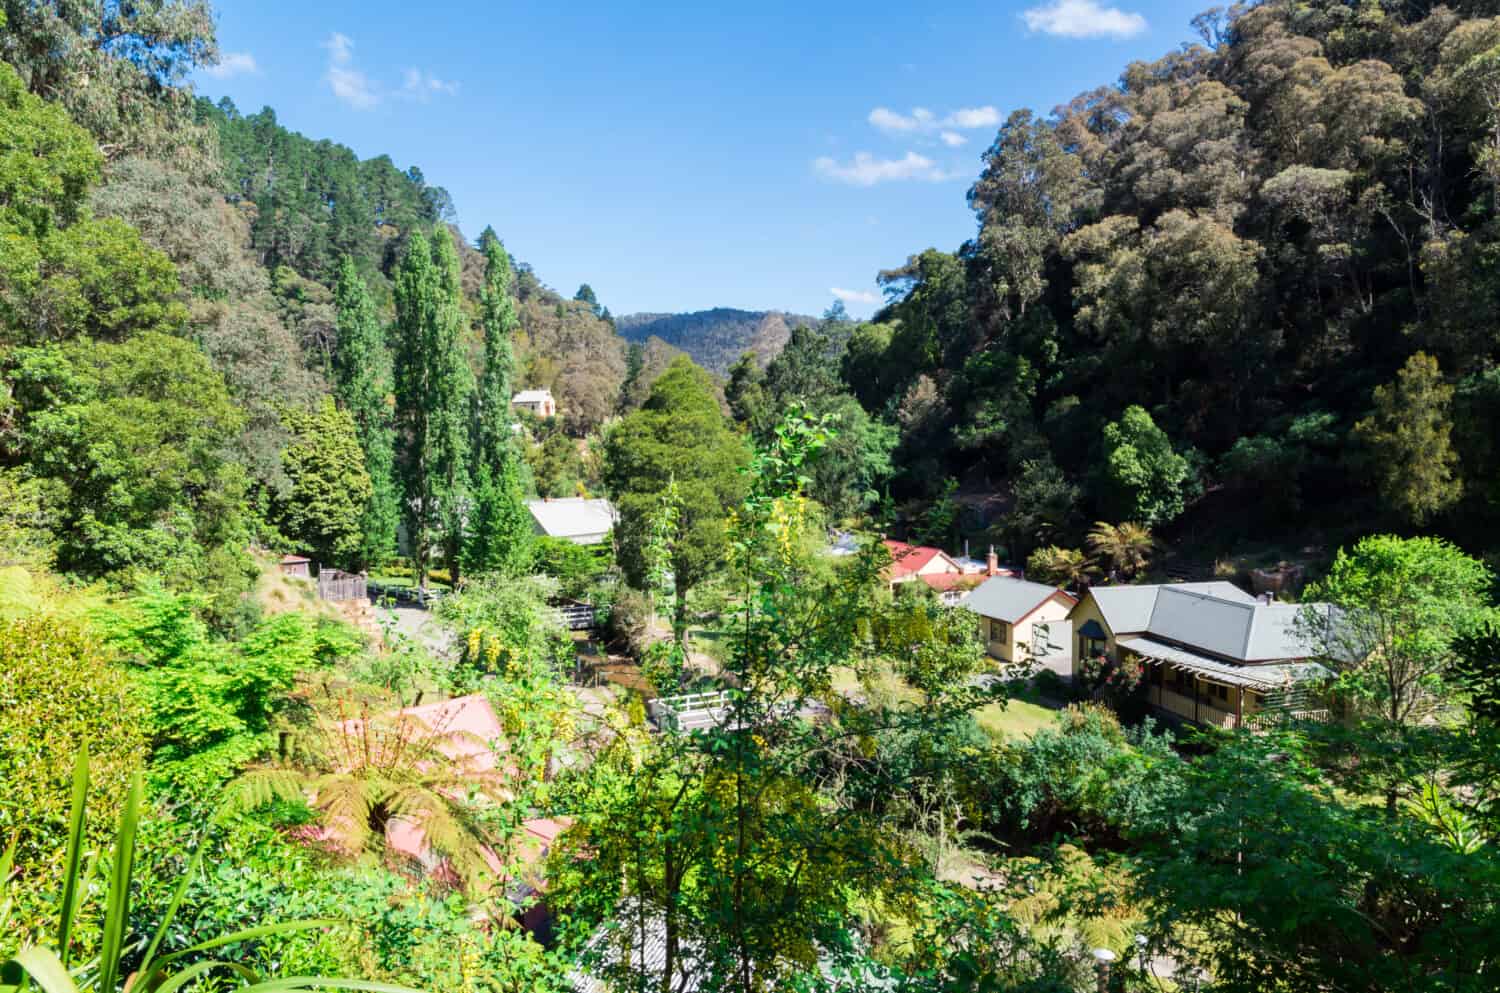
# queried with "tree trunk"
point(679, 612)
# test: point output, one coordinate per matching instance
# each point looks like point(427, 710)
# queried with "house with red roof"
point(930, 566)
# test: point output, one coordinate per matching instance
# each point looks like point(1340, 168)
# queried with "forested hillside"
point(715, 338)
point(1278, 244)
point(323, 667)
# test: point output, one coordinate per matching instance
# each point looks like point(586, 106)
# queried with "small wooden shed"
point(296, 565)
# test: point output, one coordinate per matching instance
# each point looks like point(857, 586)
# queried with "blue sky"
point(679, 157)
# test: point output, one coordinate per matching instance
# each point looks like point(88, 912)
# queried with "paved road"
point(419, 625)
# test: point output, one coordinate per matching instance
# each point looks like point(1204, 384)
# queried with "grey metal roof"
point(1260, 677)
point(1244, 632)
point(531, 396)
point(1007, 599)
point(573, 517)
point(1127, 609)
point(648, 954)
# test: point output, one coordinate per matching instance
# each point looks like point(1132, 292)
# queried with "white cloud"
point(923, 121)
point(889, 121)
point(975, 117)
point(348, 84)
point(866, 170)
point(952, 138)
point(360, 92)
point(1083, 19)
point(854, 296)
point(232, 64)
point(422, 86)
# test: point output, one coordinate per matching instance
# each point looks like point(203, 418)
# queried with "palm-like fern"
point(52, 969)
point(1124, 549)
point(1067, 567)
point(393, 782)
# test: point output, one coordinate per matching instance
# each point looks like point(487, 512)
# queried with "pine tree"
point(362, 369)
point(1409, 435)
point(322, 512)
point(500, 533)
point(432, 391)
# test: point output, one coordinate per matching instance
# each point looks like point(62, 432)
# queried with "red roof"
point(290, 559)
point(911, 559)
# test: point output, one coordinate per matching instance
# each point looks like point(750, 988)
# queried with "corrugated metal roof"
point(1260, 677)
point(1245, 632)
point(573, 517)
point(1127, 609)
point(908, 559)
point(1006, 599)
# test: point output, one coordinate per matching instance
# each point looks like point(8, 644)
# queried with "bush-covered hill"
point(715, 338)
point(1268, 260)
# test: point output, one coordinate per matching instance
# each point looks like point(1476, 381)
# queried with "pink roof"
point(467, 728)
point(471, 735)
point(292, 559)
point(911, 559)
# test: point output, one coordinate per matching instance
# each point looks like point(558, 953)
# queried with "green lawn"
point(1016, 718)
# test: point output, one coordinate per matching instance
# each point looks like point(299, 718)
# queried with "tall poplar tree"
point(432, 393)
point(500, 528)
point(362, 370)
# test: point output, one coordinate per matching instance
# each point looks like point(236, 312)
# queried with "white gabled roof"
point(572, 517)
point(531, 396)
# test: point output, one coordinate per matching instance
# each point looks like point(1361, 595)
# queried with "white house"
point(580, 520)
point(539, 402)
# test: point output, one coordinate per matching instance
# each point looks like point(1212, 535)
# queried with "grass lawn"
point(1017, 718)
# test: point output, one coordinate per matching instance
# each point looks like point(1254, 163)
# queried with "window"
point(999, 630)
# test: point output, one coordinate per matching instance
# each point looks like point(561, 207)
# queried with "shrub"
point(59, 692)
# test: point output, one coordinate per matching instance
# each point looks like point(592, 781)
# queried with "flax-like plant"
point(363, 771)
point(52, 969)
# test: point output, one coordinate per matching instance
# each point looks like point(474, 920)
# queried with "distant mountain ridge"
point(715, 338)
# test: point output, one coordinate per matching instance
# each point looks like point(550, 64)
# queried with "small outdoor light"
point(1103, 956)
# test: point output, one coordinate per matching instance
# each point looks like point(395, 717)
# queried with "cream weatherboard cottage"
point(1210, 653)
point(1022, 621)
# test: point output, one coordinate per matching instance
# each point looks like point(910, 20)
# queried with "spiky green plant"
point(51, 969)
point(362, 771)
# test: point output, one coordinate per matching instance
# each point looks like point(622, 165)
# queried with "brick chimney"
point(992, 563)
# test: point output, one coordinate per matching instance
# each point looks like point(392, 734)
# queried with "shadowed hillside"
point(715, 338)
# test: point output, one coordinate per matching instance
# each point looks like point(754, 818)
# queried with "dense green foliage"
point(362, 370)
point(1268, 245)
point(433, 384)
point(60, 694)
point(316, 202)
point(323, 511)
point(1245, 293)
point(680, 439)
point(500, 527)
